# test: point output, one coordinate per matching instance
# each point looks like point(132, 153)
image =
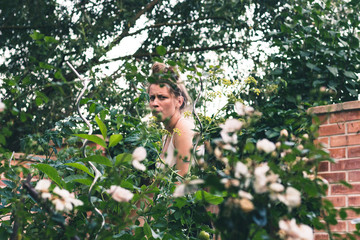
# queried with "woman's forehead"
point(156, 89)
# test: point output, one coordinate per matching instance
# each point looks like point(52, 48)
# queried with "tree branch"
point(125, 33)
point(176, 24)
point(26, 27)
point(181, 50)
point(95, 60)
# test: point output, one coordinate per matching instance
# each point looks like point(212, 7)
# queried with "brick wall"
point(340, 133)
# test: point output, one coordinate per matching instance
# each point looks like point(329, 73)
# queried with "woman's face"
point(163, 102)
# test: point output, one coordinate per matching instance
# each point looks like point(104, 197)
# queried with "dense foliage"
point(314, 44)
point(258, 175)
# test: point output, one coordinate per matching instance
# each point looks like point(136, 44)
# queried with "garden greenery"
point(250, 182)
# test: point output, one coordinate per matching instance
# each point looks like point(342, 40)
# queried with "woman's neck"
point(170, 125)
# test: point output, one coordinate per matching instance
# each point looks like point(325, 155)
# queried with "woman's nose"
point(154, 103)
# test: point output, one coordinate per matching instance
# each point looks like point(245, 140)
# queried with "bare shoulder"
point(185, 131)
point(186, 126)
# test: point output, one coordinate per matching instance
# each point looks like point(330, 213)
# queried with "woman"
point(168, 99)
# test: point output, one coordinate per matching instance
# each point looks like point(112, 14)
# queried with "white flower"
point(67, 200)
point(261, 180)
point(43, 185)
point(284, 133)
point(62, 205)
point(231, 125)
point(276, 187)
point(227, 138)
point(230, 182)
point(139, 155)
point(293, 231)
point(260, 185)
point(120, 194)
point(241, 109)
point(217, 152)
point(187, 187)
point(249, 110)
point(46, 195)
point(265, 145)
point(246, 195)
point(241, 170)
point(261, 170)
point(138, 165)
point(291, 198)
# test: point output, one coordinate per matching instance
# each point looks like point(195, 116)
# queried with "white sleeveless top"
point(170, 158)
point(169, 155)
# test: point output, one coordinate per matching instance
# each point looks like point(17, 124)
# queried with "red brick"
point(352, 115)
point(323, 140)
point(321, 119)
point(353, 127)
point(353, 152)
point(352, 227)
point(337, 153)
point(337, 201)
point(354, 139)
point(354, 176)
point(341, 189)
point(321, 236)
point(324, 166)
point(354, 201)
point(334, 177)
point(339, 227)
point(337, 117)
point(346, 165)
point(333, 129)
point(337, 141)
point(344, 116)
point(352, 214)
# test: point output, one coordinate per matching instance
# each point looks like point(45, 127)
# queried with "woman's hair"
point(169, 76)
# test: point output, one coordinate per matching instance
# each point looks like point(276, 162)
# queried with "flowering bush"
point(251, 182)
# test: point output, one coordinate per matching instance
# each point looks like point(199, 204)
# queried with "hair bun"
point(158, 67)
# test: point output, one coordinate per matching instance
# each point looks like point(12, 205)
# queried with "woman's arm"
point(183, 145)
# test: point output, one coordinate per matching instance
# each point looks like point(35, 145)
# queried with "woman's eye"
point(152, 98)
point(162, 97)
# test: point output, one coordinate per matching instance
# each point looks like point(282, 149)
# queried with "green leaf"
point(36, 35)
point(85, 181)
point(58, 75)
point(350, 74)
point(80, 167)
point(98, 159)
point(161, 50)
point(352, 91)
point(92, 138)
point(208, 197)
point(333, 70)
point(249, 147)
point(38, 101)
point(8, 183)
point(147, 230)
point(102, 126)
point(343, 214)
point(115, 139)
point(50, 171)
point(312, 66)
point(123, 157)
point(76, 177)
